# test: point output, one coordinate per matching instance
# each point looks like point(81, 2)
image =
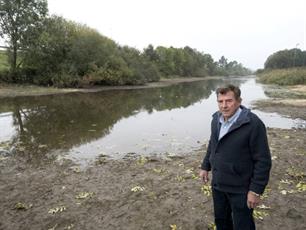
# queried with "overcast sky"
point(247, 31)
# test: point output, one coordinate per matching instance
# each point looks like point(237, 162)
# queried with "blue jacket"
point(240, 161)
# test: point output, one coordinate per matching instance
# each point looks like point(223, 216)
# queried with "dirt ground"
point(142, 193)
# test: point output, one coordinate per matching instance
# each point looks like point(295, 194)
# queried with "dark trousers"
point(231, 211)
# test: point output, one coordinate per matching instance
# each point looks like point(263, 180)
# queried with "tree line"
point(51, 50)
point(286, 59)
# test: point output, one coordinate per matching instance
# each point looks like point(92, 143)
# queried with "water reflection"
point(66, 121)
point(174, 119)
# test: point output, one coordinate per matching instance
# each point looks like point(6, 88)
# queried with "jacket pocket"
point(227, 174)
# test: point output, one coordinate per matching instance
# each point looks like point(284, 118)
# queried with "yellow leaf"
point(173, 227)
point(259, 214)
point(180, 178)
point(206, 189)
point(57, 209)
point(84, 195)
point(157, 170)
point(189, 171)
point(69, 227)
point(263, 207)
point(194, 176)
point(137, 189)
point(22, 206)
point(274, 158)
point(142, 160)
point(212, 226)
point(301, 186)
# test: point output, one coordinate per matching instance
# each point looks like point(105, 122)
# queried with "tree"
point(222, 62)
point(286, 59)
point(19, 21)
point(150, 53)
point(48, 55)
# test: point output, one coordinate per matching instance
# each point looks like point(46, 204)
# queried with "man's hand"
point(253, 200)
point(204, 175)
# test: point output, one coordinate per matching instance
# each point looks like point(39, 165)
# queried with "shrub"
point(292, 76)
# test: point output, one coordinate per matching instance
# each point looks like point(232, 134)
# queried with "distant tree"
point(19, 22)
point(222, 62)
point(166, 63)
point(286, 59)
point(143, 69)
point(150, 53)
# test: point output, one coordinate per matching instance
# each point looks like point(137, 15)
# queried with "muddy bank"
point(286, 100)
point(293, 108)
point(142, 193)
point(31, 90)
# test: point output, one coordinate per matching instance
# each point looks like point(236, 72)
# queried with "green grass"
point(291, 76)
point(3, 61)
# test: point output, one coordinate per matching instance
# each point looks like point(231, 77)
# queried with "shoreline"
point(8, 90)
point(285, 100)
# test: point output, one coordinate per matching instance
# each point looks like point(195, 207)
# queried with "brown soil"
point(58, 195)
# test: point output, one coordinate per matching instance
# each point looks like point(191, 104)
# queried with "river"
point(159, 121)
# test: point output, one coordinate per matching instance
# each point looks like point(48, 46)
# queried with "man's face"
point(228, 104)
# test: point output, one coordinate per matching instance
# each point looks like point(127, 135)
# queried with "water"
point(171, 120)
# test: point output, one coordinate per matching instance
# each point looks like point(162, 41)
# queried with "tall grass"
point(291, 76)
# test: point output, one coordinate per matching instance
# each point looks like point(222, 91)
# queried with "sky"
point(247, 31)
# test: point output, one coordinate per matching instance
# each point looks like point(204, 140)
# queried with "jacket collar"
point(243, 118)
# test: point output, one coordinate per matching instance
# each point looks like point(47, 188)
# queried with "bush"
point(292, 76)
point(5, 76)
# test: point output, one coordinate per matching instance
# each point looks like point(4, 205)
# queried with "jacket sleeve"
point(261, 157)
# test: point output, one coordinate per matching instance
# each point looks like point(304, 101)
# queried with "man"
point(239, 157)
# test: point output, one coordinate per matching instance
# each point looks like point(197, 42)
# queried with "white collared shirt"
point(225, 125)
